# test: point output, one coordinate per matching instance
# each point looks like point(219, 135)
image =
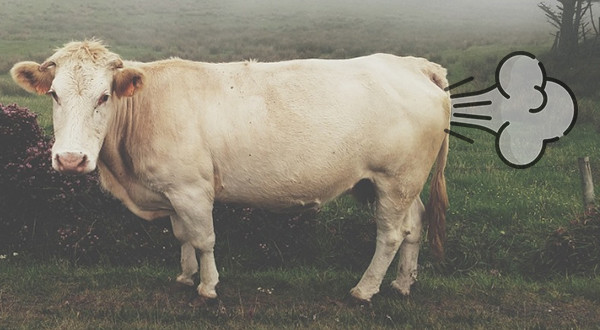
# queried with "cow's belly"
point(286, 199)
point(286, 188)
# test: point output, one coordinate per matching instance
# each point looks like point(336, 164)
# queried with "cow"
point(172, 137)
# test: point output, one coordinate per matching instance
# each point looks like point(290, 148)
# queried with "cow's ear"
point(127, 82)
point(33, 77)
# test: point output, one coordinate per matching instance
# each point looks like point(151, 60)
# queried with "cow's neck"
point(117, 149)
point(116, 164)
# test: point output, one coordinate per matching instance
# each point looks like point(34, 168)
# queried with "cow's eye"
point(54, 96)
point(102, 99)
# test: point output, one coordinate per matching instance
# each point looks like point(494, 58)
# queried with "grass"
point(56, 295)
point(499, 217)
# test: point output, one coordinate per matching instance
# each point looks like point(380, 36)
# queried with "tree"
point(569, 17)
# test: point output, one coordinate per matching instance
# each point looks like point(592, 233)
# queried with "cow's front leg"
point(189, 263)
point(193, 226)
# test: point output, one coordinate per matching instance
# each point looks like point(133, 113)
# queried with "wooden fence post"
point(587, 183)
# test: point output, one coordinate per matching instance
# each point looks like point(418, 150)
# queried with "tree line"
point(575, 24)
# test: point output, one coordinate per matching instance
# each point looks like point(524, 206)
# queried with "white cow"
point(170, 138)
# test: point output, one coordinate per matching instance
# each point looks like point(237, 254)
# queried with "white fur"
point(276, 135)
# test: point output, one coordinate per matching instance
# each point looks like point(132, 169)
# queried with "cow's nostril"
point(71, 162)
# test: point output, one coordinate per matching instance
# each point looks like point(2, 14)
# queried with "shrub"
point(574, 248)
point(47, 213)
point(253, 239)
point(250, 238)
point(19, 131)
point(32, 194)
point(23, 150)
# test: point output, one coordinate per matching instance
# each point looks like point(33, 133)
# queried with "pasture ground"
point(55, 295)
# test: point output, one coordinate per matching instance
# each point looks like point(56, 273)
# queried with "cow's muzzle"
point(72, 163)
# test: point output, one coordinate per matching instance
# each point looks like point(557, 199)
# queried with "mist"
point(465, 14)
point(269, 29)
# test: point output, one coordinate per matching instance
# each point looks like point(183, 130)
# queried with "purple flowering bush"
point(48, 214)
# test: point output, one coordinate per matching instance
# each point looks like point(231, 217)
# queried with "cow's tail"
point(435, 211)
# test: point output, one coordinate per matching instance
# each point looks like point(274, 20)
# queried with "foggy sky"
point(496, 12)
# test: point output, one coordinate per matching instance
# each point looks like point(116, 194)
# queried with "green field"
point(499, 220)
point(55, 295)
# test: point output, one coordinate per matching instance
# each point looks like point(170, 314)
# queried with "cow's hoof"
point(357, 298)
point(204, 291)
point(185, 280)
point(402, 287)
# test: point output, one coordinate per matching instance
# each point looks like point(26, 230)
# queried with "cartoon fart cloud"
point(525, 109)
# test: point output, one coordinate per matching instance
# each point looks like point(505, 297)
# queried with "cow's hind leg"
point(409, 250)
point(393, 204)
point(189, 263)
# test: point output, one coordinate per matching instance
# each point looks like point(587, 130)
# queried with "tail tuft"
point(435, 211)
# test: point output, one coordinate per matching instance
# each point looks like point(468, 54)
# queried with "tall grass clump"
point(573, 248)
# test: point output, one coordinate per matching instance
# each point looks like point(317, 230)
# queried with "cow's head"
point(85, 80)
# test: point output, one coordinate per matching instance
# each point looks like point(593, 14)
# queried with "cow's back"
point(301, 132)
